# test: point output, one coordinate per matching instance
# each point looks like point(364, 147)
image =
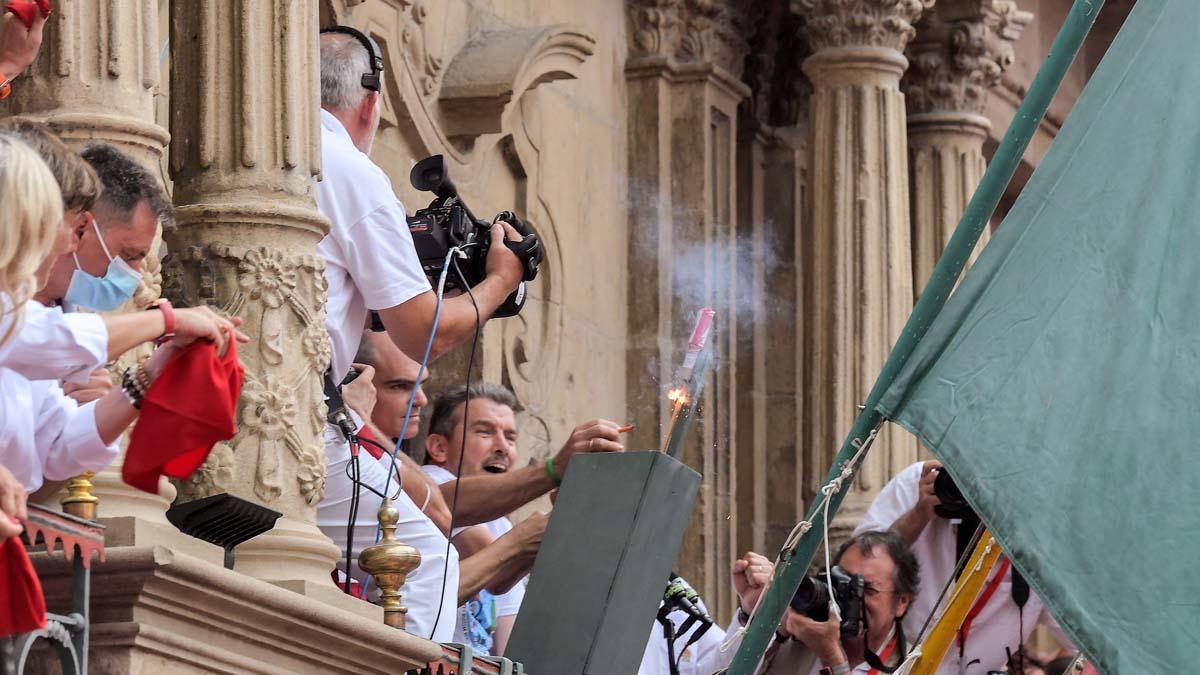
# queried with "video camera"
point(812, 599)
point(448, 222)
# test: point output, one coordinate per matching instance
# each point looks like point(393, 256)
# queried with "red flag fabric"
point(22, 606)
point(190, 408)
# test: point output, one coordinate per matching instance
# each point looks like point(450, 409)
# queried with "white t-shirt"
point(46, 435)
point(998, 625)
point(506, 604)
point(703, 658)
point(51, 345)
point(370, 261)
point(430, 591)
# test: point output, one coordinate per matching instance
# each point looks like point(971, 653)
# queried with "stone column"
point(683, 90)
point(961, 49)
point(859, 286)
point(244, 152)
point(96, 76)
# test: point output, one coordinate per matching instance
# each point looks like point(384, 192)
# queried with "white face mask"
point(103, 294)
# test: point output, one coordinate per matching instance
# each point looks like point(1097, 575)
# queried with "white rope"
point(831, 488)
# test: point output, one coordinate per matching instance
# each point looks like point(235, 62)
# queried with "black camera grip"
point(529, 249)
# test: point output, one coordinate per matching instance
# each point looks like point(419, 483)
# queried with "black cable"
point(352, 467)
point(463, 449)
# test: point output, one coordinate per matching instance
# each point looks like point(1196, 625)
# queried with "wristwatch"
point(840, 669)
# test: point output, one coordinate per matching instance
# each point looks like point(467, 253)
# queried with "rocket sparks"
point(678, 396)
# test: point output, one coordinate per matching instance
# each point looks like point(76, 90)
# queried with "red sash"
point(992, 586)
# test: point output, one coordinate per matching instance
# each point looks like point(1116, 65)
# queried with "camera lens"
point(812, 599)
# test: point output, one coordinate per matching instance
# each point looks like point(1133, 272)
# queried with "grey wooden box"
point(603, 565)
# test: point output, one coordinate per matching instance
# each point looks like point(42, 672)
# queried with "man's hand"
point(18, 46)
point(594, 436)
point(529, 532)
point(12, 505)
point(501, 262)
point(913, 522)
point(360, 394)
point(750, 575)
point(822, 638)
point(99, 383)
point(202, 323)
point(927, 499)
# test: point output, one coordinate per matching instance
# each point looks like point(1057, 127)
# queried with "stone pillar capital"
point(960, 51)
point(886, 24)
point(689, 31)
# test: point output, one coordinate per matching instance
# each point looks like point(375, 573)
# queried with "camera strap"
point(896, 645)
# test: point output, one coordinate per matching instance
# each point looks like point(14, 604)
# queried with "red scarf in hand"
point(190, 408)
point(22, 607)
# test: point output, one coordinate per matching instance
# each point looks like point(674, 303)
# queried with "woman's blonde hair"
point(31, 211)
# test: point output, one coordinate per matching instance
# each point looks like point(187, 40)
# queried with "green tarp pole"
point(978, 213)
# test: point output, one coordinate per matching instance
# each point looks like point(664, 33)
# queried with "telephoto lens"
point(812, 599)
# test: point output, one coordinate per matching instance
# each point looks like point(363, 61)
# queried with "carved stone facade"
point(795, 164)
point(858, 291)
point(962, 49)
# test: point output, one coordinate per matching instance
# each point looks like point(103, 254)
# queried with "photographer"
point(889, 577)
point(922, 504)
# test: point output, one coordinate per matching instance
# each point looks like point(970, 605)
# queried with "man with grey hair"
point(372, 265)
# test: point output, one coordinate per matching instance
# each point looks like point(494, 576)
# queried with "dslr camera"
point(448, 223)
point(953, 505)
point(812, 599)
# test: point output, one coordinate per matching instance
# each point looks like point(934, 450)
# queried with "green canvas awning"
point(1061, 384)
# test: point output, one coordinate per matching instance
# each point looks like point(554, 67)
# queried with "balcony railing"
point(79, 540)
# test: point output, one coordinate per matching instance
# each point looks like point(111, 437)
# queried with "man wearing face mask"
point(115, 236)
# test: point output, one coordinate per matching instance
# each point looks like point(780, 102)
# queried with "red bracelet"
point(168, 313)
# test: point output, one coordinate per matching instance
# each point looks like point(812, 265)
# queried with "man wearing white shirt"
point(371, 264)
point(483, 443)
point(999, 625)
point(750, 574)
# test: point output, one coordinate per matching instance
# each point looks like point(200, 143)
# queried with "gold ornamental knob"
point(80, 502)
point(390, 562)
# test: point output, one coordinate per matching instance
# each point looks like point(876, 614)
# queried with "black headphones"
point(370, 80)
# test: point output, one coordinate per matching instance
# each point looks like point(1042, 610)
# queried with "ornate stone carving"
point(274, 292)
point(690, 31)
point(654, 27)
point(243, 160)
point(427, 65)
point(860, 23)
point(961, 50)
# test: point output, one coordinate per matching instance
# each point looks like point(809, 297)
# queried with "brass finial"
point(390, 562)
point(80, 502)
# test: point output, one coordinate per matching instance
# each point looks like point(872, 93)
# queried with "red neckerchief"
point(365, 432)
point(983, 600)
point(886, 653)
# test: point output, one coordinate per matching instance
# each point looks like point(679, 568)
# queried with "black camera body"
point(952, 504)
point(812, 599)
point(448, 223)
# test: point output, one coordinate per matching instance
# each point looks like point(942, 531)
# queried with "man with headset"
point(372, 265)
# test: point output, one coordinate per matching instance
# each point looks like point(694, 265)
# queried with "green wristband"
point(550, 472)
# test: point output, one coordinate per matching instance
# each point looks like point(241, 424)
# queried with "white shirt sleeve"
point(66, 434)
point(894, 500)
point(381, 258)
point(51, 345)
